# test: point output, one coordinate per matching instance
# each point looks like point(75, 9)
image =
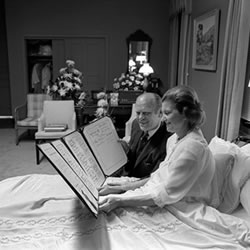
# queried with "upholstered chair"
point(57, 120)
point(27, 114)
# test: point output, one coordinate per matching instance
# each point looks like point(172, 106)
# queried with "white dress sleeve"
point(179, 176)
point(186, 172)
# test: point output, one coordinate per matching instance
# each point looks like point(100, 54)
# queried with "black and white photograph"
point(125, 125)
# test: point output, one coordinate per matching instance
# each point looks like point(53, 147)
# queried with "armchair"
point(27, 114)
point(55, 113)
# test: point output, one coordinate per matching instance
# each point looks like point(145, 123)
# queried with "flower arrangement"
point(129, 81)
point(82, 99)
point(68, 85)
point(102, 105)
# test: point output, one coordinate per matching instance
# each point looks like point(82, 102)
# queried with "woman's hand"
point(110, 189)
point(108, 203)
point(118, 187)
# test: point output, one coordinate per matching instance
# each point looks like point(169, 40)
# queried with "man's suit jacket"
point(154, 152)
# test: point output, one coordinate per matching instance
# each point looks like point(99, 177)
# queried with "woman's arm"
point(121, 188)
point(167, 185)
point(112, 201)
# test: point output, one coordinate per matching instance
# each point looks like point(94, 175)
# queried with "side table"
point(120, 115)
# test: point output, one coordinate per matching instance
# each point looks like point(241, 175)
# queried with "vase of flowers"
point(102, 105)
point(68, 85)
point(129, 81)
point(129, 86)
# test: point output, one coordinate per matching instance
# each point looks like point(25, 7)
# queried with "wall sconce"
point(146, 70)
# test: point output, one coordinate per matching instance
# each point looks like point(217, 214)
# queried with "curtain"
point(184, 49)
point(180, 30)
point(233, 69)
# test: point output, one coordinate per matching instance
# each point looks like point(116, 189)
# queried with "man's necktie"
point(142, 142)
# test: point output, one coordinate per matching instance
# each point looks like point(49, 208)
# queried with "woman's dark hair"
point(186, 102)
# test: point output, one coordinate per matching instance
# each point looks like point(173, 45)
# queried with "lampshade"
point(141, 58)
point(146, 69)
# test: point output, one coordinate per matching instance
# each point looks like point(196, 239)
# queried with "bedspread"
point(42, 212)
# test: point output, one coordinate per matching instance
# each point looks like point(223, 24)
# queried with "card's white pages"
point(84, 156)
point(69, 158)
point(103, 140)
point(70, 176)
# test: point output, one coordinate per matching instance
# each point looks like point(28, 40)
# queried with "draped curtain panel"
point(173, 50)
point(233, 69)
point(185, 31)
point(180, 30)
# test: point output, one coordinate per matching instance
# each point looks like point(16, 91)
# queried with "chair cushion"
point(28, 122)
point(35, 104)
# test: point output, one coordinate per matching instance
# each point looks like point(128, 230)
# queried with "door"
point(90, 56)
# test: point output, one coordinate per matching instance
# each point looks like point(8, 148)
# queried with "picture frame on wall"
point(205, 41)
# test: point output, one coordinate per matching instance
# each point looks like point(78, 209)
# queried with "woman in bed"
point(185, 184)
point(187, 172)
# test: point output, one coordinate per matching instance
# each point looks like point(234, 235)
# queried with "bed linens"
point(41, 212)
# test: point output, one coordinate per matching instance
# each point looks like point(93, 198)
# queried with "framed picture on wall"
point(205, 41)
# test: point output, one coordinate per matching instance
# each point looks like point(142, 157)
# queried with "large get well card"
point(86, 157)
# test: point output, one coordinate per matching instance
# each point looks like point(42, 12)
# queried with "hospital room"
point(82, 83)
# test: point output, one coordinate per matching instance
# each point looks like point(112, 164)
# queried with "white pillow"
point(245, 191)
point(239, 174)
point(224, 163)
point(241, 168)
point(246, 149)
point(218, 145)
point(245, 196)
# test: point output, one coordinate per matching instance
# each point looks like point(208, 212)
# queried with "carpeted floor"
point(21, 159)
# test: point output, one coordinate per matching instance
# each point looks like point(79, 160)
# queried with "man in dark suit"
point(144, 159)
point(147, 145)
point(142, 162)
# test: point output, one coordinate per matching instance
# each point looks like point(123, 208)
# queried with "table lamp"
point(146, 70)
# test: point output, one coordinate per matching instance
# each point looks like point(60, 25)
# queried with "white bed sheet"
point(241, 213)
point(42, 212)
